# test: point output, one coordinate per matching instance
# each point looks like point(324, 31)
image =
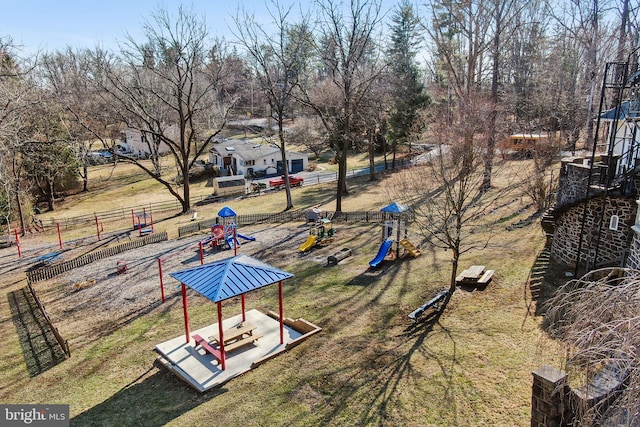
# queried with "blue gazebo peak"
point(226, 212)
point(230, 277)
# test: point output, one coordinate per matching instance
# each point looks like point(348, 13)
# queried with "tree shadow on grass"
point(383, 377)
point(40, 348)
point(149, 400)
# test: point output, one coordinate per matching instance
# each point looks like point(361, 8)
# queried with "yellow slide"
point(311, 242)
point(415, 252)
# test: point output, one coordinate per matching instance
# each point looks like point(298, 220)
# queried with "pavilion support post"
point(221, 335)
point(244, 314)
point(186, 312)
point(235, 240)
point(281, 312)
point(161, 282)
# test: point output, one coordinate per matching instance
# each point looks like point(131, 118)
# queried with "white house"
point(133, 142)
point(242, 157)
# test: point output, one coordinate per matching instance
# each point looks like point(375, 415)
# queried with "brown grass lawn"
point(369, 366)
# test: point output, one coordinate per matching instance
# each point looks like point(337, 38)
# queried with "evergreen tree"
point(407, 91)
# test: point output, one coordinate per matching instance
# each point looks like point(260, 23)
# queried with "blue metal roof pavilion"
point(230, 277)
point(221, 280)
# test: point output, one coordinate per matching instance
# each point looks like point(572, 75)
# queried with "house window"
point(613, 222)
point(264, 161)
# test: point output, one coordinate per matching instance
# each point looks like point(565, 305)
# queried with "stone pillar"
point(549, 397)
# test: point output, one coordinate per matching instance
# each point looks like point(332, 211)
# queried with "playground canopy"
point(226, 212)
point(224, 279)
point(395, 207)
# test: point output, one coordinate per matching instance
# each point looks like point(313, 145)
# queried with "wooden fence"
point(46, 273)
point(64, 344)
point(290, 216)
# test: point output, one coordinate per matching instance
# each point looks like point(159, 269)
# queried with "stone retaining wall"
point(612, 245)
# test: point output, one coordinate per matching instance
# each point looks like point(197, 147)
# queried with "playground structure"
point(143, 222)
point(320, 233)
point(394, 235)
point(226, 234)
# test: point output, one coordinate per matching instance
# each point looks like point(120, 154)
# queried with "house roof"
point(245, 150)
point(629, 109)
point(230, 277)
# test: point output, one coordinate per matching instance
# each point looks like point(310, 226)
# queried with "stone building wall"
point(572, 183)
point(613, 244)
point(633, 258)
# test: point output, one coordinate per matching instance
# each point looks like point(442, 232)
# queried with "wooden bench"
point(486, 277)
point(207, 347)
point(235, 338)
point(234, 333)
point(241, 342)
point(432, 303)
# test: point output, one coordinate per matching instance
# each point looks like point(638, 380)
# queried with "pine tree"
point(407, 90)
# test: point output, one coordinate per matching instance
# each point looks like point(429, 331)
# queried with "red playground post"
point(160, 272)
point(59, 235)
point(98, 227)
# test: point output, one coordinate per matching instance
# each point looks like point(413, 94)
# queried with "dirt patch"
point(94, 300)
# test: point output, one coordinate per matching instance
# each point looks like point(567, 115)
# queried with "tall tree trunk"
point(491, 129)
point(372, 164)
point(285, 168)
point(51, 196)
point(85, 178)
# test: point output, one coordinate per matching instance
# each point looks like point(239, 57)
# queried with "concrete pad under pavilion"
point(203, 372)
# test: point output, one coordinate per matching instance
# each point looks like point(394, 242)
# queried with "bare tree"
point(451, 209)
point(171, 88)
point(350, 66)
point(278, 62)
point(585, 22)
point(18, 93)
point(86, 120)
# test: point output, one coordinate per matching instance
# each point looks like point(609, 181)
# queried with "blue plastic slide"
point(232, 242)
point(250, 238)
point(382, 253)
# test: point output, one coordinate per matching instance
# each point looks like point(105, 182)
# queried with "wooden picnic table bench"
point(237, 336)
point(475, 275)
point(207, 347)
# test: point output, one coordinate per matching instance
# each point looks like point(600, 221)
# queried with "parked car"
point(294, 181)
point(100, 157)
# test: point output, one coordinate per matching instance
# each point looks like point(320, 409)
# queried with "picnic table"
point(475, 275)
point(237, 336)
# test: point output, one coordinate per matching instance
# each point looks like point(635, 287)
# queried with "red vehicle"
point(279, 183)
